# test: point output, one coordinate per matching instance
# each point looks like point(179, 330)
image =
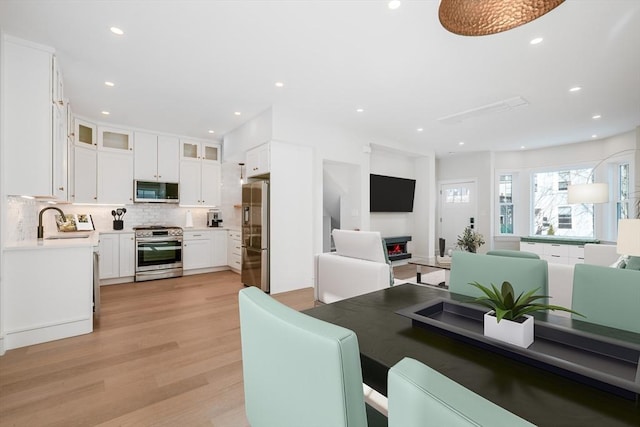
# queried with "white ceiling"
point(185, 67)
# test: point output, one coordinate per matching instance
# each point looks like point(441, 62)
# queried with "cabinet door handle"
point(61, 188)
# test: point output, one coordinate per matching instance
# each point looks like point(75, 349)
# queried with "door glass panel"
point(158, 253)
point(210, 153)
point(189, 150)
point(116, 140)
point(85, 134)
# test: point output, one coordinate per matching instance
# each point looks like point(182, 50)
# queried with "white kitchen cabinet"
point(199, 150)
point(113, 139)
point(100, 175)
point(210, 184)
point(117, 256)
point(115, 177)
point(200, 183)
point(127, 255)
point(219, 248)
point(156, 157)
point(234, 250)
point(85, 178)
point(28, 115)
point(197, 250)
point(60, 154)
point(85, 133)
point(258, 161)
point(557, 253)
point(57, 84)
point(109, 256)
point(50, 292)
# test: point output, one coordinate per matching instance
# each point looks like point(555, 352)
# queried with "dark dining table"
point(542, 397)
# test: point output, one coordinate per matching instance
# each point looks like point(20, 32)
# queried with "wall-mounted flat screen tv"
point(391, 194)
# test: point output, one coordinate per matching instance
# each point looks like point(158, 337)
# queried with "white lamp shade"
point(588, 193)
point(629, 237)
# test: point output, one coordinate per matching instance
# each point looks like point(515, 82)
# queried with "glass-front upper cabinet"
point(194, 150)
point(85, 133)
point(115, 139)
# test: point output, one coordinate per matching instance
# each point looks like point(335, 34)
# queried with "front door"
point(458, 209)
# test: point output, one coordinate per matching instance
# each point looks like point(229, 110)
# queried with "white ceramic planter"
point(520, 334)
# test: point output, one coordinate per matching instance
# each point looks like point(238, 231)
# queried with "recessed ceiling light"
point(212, 131)
point(461, 143)
point(594, 136)
point(522, 147)
point(575, 89)
point(106, 113)
point(420, 129)
point(537, 40)
point(117, 31)
point(110, 84)
point(394, 4)
point(279, 84)
point(595, 117)
point(359, 110)
point(237, 113)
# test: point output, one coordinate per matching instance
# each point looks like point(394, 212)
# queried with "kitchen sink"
point(81, 236)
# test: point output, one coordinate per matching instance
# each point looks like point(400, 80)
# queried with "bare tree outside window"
point(550, 208)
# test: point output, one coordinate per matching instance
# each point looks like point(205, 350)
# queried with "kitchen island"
point(49, 284)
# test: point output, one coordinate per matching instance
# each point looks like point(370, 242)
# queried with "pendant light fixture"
point(241, 178)
point(481, 18)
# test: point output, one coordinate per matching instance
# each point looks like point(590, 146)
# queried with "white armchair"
point(359, 265)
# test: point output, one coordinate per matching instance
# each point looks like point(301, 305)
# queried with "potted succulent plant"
point(509, 318)
point(470, 240)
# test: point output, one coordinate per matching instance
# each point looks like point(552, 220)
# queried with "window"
point(505, 201)
point(622, 205)
point(457, 195)
point(551, 214)
point(564, 179)
point(564, 217)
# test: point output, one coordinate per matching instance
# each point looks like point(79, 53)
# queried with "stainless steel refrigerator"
point(255, 235)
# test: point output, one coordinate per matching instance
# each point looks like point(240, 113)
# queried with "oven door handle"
point(158, 239)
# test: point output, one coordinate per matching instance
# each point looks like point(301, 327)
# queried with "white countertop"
point(69, 241)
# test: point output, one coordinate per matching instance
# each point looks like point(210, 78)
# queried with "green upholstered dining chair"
point(298, 370)
point(421, 397)
point(515, 254)
point(607, 296)
point(524, 274)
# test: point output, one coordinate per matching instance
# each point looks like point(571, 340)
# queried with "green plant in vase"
point(507, 306)
point(470, 240)
point(517, 327)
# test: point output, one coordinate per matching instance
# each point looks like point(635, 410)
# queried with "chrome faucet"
point(40, 227)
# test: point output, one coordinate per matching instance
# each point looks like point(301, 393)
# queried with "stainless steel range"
point(158, 252)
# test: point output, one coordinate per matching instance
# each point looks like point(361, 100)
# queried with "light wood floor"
point(165, 353)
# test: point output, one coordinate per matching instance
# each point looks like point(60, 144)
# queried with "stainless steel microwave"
point(155, 192)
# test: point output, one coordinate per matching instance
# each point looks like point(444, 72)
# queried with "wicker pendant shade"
point(480, 18)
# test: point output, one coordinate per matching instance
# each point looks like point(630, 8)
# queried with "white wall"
point(291, 231)
point(254, 132)
point(329, 142)
point(485, 166)
point(472, 167)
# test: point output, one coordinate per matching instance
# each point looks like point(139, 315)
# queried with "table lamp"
point(628, 237)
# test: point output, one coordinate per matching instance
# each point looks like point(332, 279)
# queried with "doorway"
point(458, 209)
point(341, 199)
